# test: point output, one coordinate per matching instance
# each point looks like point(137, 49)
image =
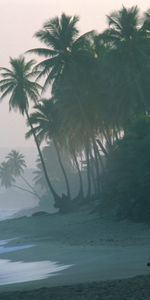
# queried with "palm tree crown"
point(44, 120)
point(126, 64)
point(17, 83)
point(61, 36)
point(6, 177)
point(17, 162)
point(128, 33)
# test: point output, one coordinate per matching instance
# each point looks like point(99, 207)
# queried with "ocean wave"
point(7, 213)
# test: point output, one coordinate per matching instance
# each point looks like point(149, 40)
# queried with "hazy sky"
point(20, 19)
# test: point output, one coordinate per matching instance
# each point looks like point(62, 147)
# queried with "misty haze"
point(75, 150)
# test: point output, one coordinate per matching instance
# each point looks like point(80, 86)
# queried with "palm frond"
point(43, 52)
point(7, 92)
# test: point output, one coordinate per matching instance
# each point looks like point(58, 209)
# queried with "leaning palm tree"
point(68, 59)
point(17, 82)
point(75, 132)
point(46, 127)
point(17, 162)
point(17, 165)
point(8, 179)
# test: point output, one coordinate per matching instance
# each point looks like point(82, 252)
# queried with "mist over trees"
point(97, 112)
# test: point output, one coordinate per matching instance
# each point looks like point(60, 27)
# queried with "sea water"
point(12, 272)
point(17, 272)
point(7, 213)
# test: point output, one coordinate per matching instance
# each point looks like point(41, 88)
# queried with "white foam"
point(17, 272)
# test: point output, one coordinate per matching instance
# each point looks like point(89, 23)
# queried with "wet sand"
point(99, 250)
point(137, 288)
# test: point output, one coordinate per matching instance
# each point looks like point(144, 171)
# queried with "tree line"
point(98, 84)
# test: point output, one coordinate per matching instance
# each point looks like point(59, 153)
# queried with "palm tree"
point(127, 62)
point(8, 179)
point(45, 122)
point(17, 83)
point(75, 133)
point(68, 59)
point(75, 159)
point(17, 162)
point(64, 47)
point(17, 165)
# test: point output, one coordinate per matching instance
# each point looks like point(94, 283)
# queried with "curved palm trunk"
point(55, 195)
point(100, 159)
point(115, 135)
point(102, 147)
point(63, 170)
point(22, 189)
point(30, 186)
point(81, 192)
point(108, 140)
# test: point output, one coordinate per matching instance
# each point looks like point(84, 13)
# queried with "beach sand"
point(137, 288)
point(104, 254)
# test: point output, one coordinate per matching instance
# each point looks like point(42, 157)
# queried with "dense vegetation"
point(127, 173)
point(99, 83)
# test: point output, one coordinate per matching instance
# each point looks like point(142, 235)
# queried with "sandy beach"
point(137, 288)
point(103, 258)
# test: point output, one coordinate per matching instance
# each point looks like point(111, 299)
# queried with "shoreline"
point(137, 288)
point(99, 250)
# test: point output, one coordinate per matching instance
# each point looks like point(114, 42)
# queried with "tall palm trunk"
point(55, 195)
point(116, 134)
point(88, 172)
point(102, 147)
point(108, 140)
point(102, 167)
point(81, 192)
point(96, 166)
point(63, 169)
point(92, 172)
point(100, 159)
